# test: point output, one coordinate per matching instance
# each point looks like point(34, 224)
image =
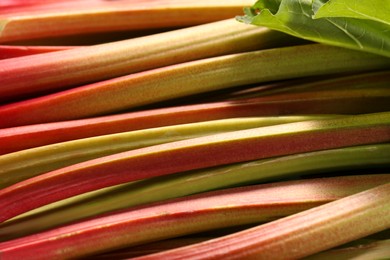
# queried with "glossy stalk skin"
point(19, 138)
point(299, 235)
point(25, 164)
point(200, 76)
point(198, 213)
point(9, 51)
point(184, 184)
point(196, 153)
point(75, 17)
point(69, 68)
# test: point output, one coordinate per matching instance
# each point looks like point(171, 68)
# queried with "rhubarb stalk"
point(60, 18)
point(299, 235)
point(7, 51)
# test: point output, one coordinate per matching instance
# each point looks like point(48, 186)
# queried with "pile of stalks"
point(163, 129)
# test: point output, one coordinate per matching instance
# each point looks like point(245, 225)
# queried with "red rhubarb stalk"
point(8, 51)
point(57, 18)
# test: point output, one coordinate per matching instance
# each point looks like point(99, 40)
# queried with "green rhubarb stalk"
point(327, 95)
point(198, 77)
point(75, 17)
point(301, 234)
point(195, 153)
point(25, 164)
point(183, 184)
point(365, 81)
point(63, 69)
point(197, 213)
point(365, 251)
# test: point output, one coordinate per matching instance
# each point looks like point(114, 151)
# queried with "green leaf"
point(295, 17)
point(363, 9)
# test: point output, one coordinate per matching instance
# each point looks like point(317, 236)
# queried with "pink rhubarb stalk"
point(299, 235)
point(58, 18)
